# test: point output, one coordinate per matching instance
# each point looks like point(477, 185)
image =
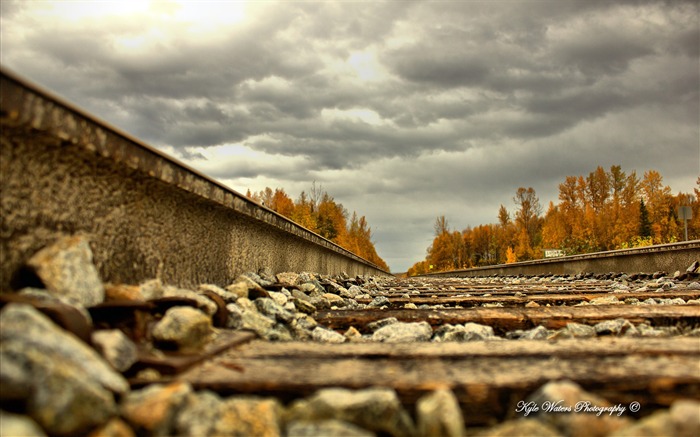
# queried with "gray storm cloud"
point(402, 110)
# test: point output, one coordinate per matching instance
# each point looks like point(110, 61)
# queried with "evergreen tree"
point(644, 222)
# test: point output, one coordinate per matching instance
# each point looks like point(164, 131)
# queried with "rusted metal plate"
point(167, 362)
point(488, 378)
point(131, 317)
point(508, 319)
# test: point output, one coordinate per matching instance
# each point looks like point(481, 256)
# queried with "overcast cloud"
point(402, 111)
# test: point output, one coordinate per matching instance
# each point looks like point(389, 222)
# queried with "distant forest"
point(605, 210)
point(319, 213)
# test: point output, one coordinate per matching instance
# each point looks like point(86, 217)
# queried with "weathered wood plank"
point(609, 346)
point(488, 378)
point(544, 298)
point(507, 319)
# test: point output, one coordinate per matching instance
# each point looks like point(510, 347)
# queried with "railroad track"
point(65, 172)
point(487, 347)
point(489, 376)
point(661, 257)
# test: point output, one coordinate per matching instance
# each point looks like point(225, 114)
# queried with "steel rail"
point(65, 172)
point(663, 257)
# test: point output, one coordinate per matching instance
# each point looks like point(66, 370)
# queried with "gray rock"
point(116, 348)
point(289, 306)
point(333, 299)
point(681, 420)
point(605, 300)
point(613, 327)
point(326, 335)
point(312, 287)
point(279, 332)
point(373, 326)
point(521, 428)
point(467, 332)
point(352, 334)
point(268, 307)
point(304, 306)
point(288, 279)
point(280, 298)
point(665, 285)
point(306, 277)
point(27, 326)
point(403, 332)
point(330, 427)
point(203, 303)
point(352, 292)
point(693, 333)
point(227, 296)
point(536, 333)
point(676, 301)
point(252, 282)
point(151, 289)
point(67, 387)
point(300, 295)
point(439, 414)
point(335, 288)
point(302, 326)
point(575, 330)
point(235, 316)
point(183, 327)
point(42, 295)
point(376, 409)
point(576, 424)
point(379, 302)
point(154, 409)
point(239, 289)
point(254, 278)
point(16, 379)
point(197, 414)
point(66, 269)
point(646, 330)
point(694, 286)
point(244, 416)
point(320, 303)
point(17, 425)
point(244, 315)
point(267, 276)
point(685, 414)
point(115, 427)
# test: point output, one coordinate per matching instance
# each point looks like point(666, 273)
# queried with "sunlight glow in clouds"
point(357, 114)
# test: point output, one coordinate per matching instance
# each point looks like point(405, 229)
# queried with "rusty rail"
point(64, 172)
point(662, 257)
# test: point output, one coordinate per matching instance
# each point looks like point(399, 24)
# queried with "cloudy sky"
point(401, 110)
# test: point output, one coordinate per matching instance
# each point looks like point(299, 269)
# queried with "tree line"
point(605, 210)
point(318, 212)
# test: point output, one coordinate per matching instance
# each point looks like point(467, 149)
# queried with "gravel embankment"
point(70, 343)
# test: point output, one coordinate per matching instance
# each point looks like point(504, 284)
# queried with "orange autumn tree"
point(604, 210)
point(320, 213)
